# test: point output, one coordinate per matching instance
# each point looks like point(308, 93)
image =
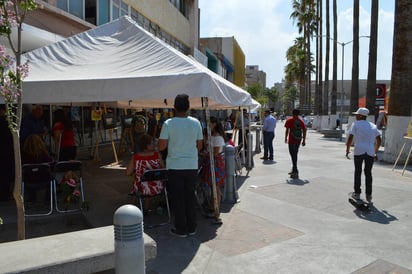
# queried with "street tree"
point(12, 73)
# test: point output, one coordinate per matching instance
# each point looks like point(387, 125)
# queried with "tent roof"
point(120, 61)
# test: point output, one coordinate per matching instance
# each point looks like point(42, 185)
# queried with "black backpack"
point(297, 130)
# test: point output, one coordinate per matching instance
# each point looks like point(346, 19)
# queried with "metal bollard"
point(129, 243)
point(257, 147)
point(250, 164)
point(230, 194)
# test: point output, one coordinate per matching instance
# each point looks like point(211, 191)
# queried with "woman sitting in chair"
point(146, 159)
point(34, 151)
point(217, 143)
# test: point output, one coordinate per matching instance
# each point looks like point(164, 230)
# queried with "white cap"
point(362, 111)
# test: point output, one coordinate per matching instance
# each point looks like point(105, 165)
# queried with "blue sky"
point(264, 31)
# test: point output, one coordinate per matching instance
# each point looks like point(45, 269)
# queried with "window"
point(125, 9)
point(180, 5)
point(90, 11)
point(104, 12)
point(115, 9)
point(74, 7)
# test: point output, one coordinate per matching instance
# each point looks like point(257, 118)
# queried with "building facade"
point(174, 21)
point(255, 76)
point(230, 54)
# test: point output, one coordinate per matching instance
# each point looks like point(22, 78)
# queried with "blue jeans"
point(268, 144)
point(293, 151)
point(358, 161)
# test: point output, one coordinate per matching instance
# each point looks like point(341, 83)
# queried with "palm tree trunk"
point(400, 103)
point(335, 59)
point(325, 108)
point(373, 48)
point(354, 94)
point(319, 47)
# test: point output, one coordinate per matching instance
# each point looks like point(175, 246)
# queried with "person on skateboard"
point(367, 140)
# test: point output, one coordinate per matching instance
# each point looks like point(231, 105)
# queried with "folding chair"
point(61, 168)
point(155, 175)
point(36, 177)
point(238, 160)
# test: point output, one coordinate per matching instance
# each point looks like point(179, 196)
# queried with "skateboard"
point(360, 204)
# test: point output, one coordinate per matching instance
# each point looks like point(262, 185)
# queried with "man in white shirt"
point(367, 140)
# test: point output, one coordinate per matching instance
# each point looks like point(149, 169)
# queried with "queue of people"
point(181, 146)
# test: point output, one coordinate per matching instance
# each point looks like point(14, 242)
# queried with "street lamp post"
point(343, 44)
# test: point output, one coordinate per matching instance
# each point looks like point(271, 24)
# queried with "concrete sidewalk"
point(300, 226)
point(279, 225)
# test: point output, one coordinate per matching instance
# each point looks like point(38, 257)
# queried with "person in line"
point(139, 128)
point(32, 123)
point(63, 136)
point(151, 125)
point(243, 129)
point(182, 136)
point(295, 135)
point(269, 126)
point(367, 140)
point(218, 142)
point(6, 157)
point(146, 159)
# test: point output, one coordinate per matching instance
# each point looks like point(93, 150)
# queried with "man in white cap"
point(367, 140)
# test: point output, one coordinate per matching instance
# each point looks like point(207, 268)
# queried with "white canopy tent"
point(120, 61)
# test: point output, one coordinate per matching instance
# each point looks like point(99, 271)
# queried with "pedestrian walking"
point(269, 125)
point(367, 140)
point(182, 136)
point(294, 136)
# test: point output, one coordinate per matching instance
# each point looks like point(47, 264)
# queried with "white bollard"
point(230, 194)
point(129, 243)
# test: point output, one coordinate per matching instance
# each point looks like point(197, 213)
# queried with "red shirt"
point(67, 139)
point(290, 124)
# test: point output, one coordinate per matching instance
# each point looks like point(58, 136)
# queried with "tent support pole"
point(212, 163)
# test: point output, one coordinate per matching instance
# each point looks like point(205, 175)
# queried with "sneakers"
point(369, 199)
point(355, 196)
point(176, 234)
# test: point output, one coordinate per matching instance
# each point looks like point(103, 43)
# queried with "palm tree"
point(295, 69)
point(325, 108)
point(319, 47)
point(335, 59)
point(400, 103)
point(354, 94)
point(373, 48)
point(305, 15)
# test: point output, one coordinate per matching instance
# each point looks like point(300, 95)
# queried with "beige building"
point(255, 76)
point(231, 55)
